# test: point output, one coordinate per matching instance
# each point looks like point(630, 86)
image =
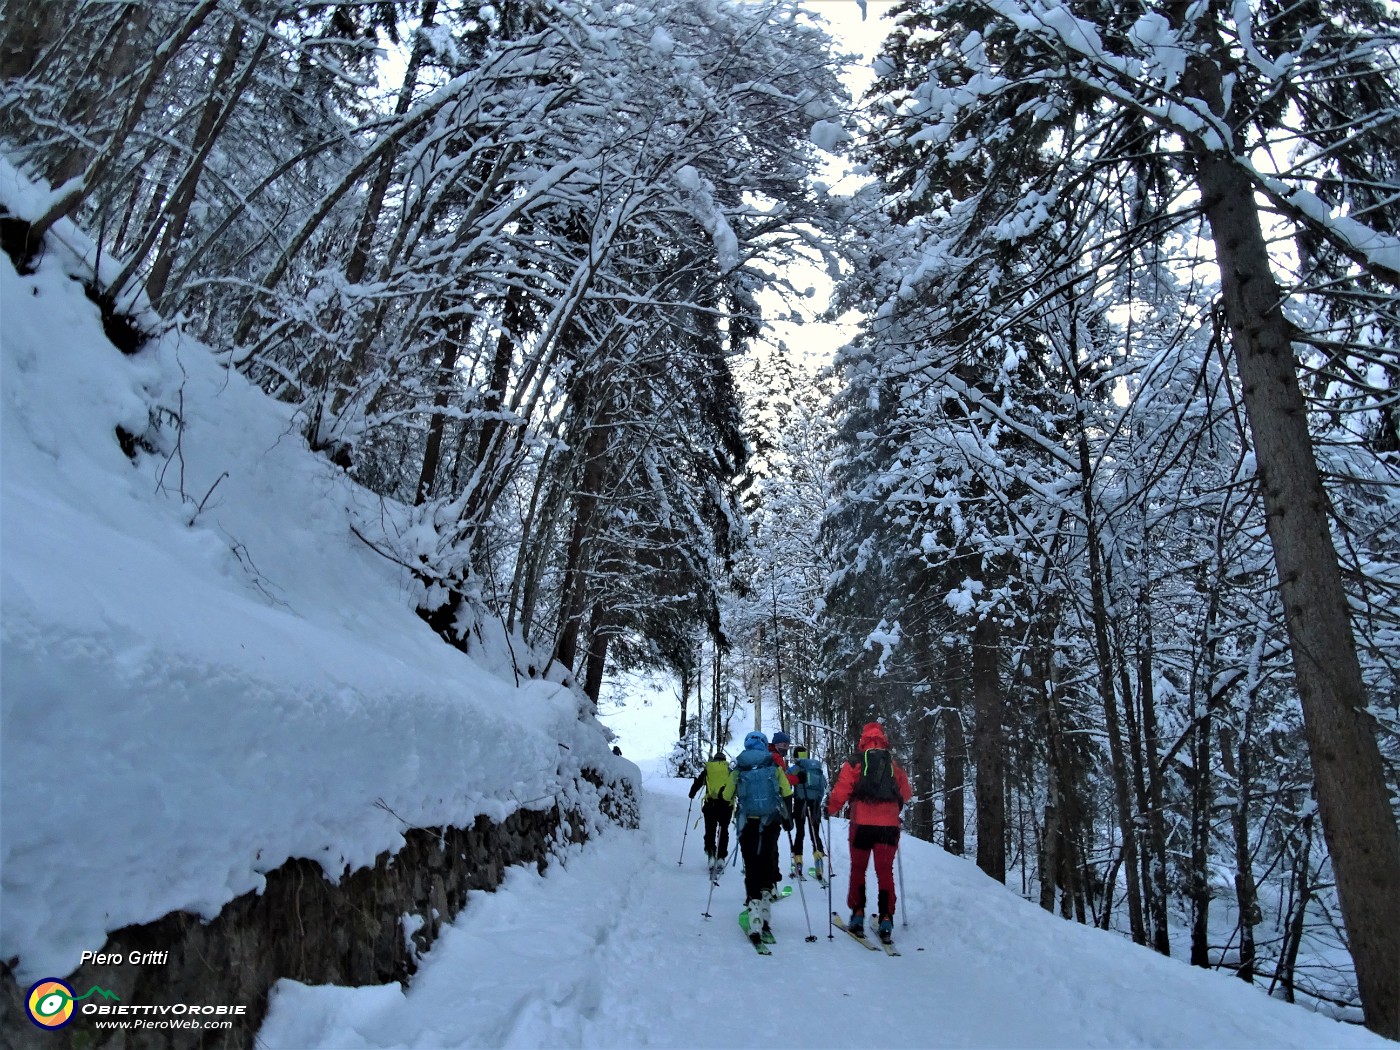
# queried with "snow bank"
point(202, 672)
point(550, 961)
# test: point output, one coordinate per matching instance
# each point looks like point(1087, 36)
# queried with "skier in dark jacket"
point(716, 809)
point(779, 749)
point(877, 789)
point(808, 790)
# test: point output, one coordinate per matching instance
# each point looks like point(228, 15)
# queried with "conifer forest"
point(1098, 511)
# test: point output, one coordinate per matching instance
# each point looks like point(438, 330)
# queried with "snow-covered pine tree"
point(1012, 123)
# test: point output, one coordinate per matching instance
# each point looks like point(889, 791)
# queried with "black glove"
point(785, 813)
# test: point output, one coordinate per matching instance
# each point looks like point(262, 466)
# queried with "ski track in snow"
point(610, 949)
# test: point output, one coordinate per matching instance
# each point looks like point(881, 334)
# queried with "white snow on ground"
point(611, 949)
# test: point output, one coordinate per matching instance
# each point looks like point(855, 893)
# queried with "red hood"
point(872, 736)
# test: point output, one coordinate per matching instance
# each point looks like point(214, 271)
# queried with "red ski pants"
point(883, 843)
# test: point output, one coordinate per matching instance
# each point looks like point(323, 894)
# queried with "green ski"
point(754, 939)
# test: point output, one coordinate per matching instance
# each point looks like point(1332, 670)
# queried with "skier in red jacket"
point(877, 789)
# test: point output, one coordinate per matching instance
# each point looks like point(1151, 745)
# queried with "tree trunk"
point(68, 197)
point(573, 599)
point(1353, 800)
point(513, 314)
point(24, 39)
point(1234, 758)
point(920, 822)
point(954, 780)
point(212, 120)
point(597, 660)
point(758, 700)
point(1063, 810)
point(1155, 844)
point(1118, 761)
point(1352, 796)
point(379, 188)
point(715, 693)
point(1201, 799)
point(989, 749)
point(1297, 912)
point(1051, 853)
point(535, 542)
point(1136, 764)
point(432, 447)
point(129, 232)
point(777, 652)
point(685, 704)
point(46, 35)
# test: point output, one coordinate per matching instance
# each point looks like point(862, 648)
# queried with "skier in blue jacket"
point(807, 795)
point(760, 792)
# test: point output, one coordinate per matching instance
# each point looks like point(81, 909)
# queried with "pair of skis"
point(859, 938)
point(764, 940)
point(766, 937)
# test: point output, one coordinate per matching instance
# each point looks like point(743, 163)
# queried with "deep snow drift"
point(204, 672)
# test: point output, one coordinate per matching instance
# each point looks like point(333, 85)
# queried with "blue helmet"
point(755, 741)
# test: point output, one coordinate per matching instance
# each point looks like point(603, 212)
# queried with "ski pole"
point(829, 877)
point(802, 893)
point(904, 911)
point(687, 829)
point(734, 844)
point(713, 883)
point(816, 834)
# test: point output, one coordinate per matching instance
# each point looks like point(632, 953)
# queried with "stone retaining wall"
point(306, 928)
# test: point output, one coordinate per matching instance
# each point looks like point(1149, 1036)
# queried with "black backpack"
point(875, 777)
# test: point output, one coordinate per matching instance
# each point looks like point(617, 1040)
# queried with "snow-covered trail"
point(611, 950)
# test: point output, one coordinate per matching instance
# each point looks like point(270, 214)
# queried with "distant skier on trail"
point(779, 749)
point(877, 789)
point(716, 809)
point(808, 790)
point(760, 792)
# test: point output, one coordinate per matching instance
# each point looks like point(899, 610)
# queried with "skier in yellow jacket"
point(716, 809)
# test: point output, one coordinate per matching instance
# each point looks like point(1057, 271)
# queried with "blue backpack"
point(758, 794)
point(811, 781)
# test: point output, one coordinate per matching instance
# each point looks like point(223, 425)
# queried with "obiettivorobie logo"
point(50, 1002)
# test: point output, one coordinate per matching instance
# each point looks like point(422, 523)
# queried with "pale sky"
point(859, 28)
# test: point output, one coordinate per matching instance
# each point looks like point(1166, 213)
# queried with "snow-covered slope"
point(202, 671)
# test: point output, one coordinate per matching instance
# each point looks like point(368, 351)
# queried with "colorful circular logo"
point(50, 1003)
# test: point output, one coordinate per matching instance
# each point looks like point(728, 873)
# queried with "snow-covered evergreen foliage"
point(1048, 476)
